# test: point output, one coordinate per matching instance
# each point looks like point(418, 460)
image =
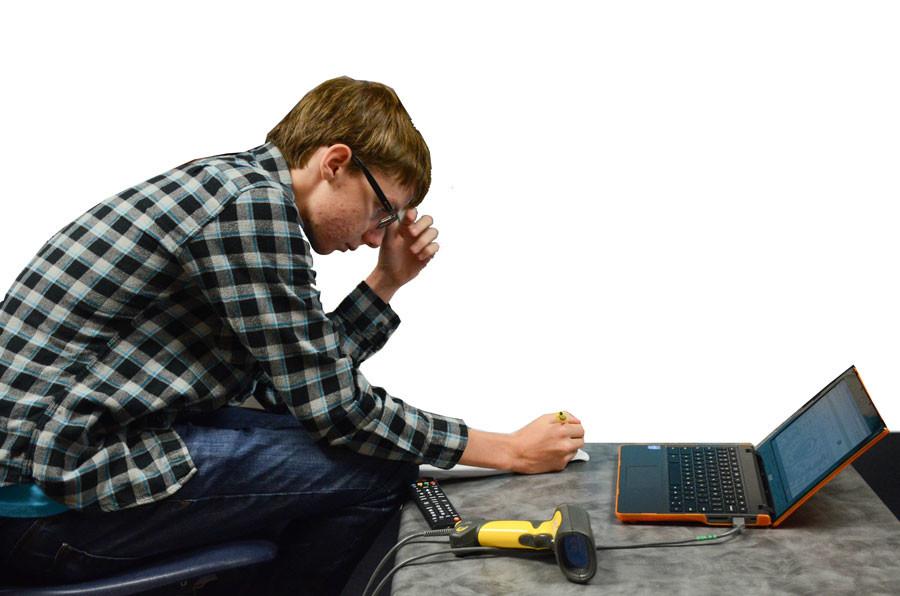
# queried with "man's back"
point(105, 334)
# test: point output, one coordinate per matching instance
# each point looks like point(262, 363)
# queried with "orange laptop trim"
point(762, 519)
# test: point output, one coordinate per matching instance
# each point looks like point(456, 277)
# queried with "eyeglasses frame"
point(392, 214)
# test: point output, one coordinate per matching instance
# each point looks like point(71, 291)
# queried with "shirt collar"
point(271, 159)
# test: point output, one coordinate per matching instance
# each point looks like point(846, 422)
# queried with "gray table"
point(842, 541)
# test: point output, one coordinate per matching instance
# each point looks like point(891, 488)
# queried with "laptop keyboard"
point(705, 480)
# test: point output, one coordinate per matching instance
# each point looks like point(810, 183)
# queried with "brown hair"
point(366, 116)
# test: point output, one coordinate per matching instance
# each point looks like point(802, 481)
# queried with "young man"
point(127, 341)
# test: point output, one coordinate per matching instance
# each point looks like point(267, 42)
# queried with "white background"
point(677, 220)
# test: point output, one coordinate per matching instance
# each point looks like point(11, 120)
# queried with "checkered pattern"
point(187, 292)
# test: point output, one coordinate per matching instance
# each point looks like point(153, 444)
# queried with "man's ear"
point(335, 157)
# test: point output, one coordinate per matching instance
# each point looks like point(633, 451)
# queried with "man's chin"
point(330, 249)
point(317, 248)
point(326, 250)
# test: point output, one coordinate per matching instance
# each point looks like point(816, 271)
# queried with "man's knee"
point(394, 479)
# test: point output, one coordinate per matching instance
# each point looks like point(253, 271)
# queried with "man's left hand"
point(406, 249)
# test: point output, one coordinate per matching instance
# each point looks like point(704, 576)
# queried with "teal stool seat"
point(27, 500)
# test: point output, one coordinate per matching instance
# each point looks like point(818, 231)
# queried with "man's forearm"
point(546, 444)
point(488, 450)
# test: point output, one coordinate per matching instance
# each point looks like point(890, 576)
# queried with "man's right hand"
point(544, 445)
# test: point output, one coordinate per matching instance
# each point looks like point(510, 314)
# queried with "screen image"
point(813, 443)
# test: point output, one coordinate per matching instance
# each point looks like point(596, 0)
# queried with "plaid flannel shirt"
point(187, 292)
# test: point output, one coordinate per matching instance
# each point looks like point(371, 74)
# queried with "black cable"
point(384, 559)
point(469, 550)
point(705, 539)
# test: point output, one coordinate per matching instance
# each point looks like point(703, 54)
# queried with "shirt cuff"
point(368, 317)
point(446, 441)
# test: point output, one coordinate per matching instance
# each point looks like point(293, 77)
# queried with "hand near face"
point(407, 247)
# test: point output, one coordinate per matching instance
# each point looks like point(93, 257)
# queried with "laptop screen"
point(816, 440)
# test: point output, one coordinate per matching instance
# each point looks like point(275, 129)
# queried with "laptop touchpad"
point(638, 477)
point(642, 489)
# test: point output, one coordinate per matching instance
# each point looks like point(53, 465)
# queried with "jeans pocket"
point(73, 564)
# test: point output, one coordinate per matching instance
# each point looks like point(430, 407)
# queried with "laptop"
point(765, 484)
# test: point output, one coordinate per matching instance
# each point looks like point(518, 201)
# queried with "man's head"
point(324, 138)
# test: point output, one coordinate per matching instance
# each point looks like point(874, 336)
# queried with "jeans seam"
point(65, 546)
point(34, 527)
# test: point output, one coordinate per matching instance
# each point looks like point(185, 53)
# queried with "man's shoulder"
point(176, 204)
point(262, 166)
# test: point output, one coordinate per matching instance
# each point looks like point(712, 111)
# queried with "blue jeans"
point(259, 476)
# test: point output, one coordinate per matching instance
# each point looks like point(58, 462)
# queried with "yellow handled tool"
point(568, 534)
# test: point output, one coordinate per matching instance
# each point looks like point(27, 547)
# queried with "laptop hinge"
point(764, 478)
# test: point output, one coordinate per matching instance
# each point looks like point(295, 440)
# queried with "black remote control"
point(434, 504)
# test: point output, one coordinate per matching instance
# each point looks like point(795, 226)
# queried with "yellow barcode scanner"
point(568, 534)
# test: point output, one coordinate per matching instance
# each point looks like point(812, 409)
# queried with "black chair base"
point(163, 572)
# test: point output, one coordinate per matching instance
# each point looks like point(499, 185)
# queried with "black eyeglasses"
point(392, 214)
